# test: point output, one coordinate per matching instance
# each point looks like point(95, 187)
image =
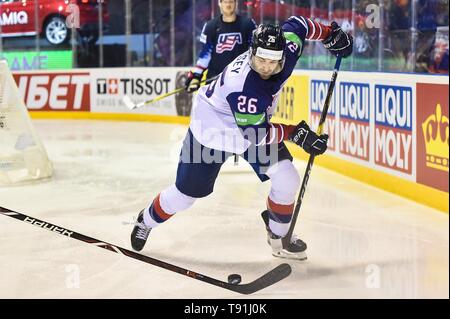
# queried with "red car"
point(17, 18)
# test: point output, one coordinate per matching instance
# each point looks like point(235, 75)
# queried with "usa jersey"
point(235, 110)
point(222, 43)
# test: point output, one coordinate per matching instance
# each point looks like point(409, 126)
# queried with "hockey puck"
point(234, 279)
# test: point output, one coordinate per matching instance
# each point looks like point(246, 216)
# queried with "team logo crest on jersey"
point(227, 41)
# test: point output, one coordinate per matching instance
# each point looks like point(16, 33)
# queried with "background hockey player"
point(224, 38)
point(232, 115)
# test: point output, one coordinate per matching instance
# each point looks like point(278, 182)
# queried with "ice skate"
point(140, 233)
point(296, 249)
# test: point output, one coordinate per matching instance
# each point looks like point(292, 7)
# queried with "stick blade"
point(128, 102)
point(272, 277)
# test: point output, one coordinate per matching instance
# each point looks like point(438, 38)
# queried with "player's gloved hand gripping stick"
point(129, 103)
point(287, 238)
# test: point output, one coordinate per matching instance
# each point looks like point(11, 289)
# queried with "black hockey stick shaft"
point(309, 166)
point(273, 276)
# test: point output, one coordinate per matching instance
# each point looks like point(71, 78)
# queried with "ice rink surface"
point(362, 242)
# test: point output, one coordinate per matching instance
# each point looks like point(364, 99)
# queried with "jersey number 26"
point(247, 106)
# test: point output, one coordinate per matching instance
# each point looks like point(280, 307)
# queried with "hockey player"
point(224, 38)
point(232, 115)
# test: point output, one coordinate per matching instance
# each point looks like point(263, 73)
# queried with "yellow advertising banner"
point(293, 102)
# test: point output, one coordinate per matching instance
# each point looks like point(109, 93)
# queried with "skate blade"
point(287, 255)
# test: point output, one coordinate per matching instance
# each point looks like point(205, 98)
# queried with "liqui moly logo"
point(393, 127)
point(354, 126)
point(319, 90)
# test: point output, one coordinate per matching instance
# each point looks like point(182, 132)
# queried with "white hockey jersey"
point(234, 111)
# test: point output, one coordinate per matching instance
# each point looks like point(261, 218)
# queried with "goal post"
point(22, 156)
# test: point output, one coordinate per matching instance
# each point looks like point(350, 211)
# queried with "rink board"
point(386, 129)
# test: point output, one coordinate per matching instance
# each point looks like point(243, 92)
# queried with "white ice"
point(362, 242)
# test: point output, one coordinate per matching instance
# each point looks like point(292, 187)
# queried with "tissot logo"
point(115, 86)
point(13, 18)
point(108, 86)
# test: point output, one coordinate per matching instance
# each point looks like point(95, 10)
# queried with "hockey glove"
point(304, 137)
point(338, 42)
point(192, 83)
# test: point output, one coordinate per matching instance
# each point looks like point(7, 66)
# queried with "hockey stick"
point(273, 276)
point(323, 116)
point(129, 103)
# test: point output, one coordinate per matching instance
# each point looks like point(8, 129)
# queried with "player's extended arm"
point(252, 120)
point(300, 134)
point(254, 125)
point(299, 29)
